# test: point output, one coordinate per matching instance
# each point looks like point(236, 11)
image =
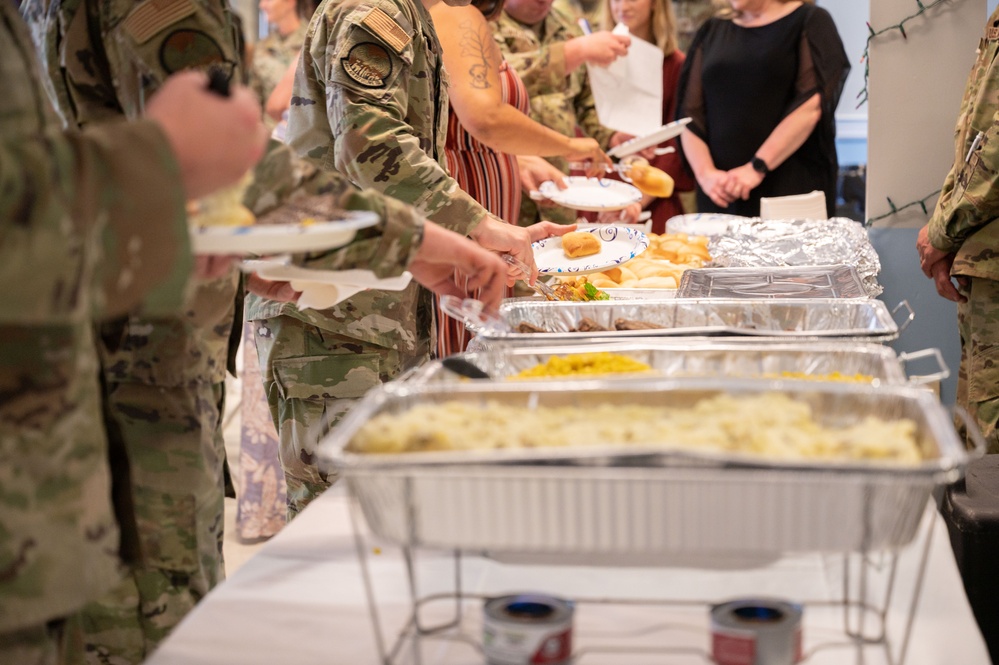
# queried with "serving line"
point(301, 599)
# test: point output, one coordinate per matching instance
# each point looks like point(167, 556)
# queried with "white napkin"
point(322, 289)
point(629, 92)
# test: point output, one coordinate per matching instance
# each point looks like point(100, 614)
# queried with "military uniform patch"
point(992, 33)
point(369, 64)
point(189, 49)
point(385, 27)
point(153, 16)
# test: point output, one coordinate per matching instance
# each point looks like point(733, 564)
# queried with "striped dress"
point(490, 177)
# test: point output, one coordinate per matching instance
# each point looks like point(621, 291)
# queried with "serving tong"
point(539, 287)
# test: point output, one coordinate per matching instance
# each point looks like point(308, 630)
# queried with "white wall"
point(915, 90)
point(851, 122)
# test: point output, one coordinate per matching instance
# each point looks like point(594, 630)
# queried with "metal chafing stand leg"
point(853, 624)
point(369, 592)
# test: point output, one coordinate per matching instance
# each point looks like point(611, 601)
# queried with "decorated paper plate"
point(593, 194)
point(702, 223)
point(618, 244)
point(664, 133)
point(266, 239)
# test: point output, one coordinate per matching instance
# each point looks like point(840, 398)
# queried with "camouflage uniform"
point(272, 56)
point(559, 100)
point(372, 104)
point(165, 377)
point(93, 225)
point(966, 222)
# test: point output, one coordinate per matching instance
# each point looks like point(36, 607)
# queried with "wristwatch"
point(759, 165)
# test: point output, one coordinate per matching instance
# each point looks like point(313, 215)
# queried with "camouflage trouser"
point(175, 448)
point(42, 645)
point(978, 375)
point(312, 377)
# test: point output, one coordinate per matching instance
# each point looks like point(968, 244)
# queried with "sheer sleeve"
point(689, 92)
point(823, 64)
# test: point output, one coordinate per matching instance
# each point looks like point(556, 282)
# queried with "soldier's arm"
point(543, 70)
point(374, 144)
point(969, 197)
point(386, 249)
point(56, 189)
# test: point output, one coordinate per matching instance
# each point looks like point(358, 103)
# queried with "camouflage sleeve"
point(121, 175)
point(541, 68)
point(386, 249)
point(374, 145)
point(969, 197)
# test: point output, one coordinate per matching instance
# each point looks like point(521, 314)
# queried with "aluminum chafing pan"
point(867, 320)
point(597, 503)
point(674, 358)
point(838, 281)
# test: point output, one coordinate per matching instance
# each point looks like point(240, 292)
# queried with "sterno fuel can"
point(527, 629)
point(756, 631)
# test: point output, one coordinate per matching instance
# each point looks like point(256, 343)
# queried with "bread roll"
point(580, 243)
point(651, 181)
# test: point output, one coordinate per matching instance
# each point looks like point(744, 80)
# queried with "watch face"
point(760, 166)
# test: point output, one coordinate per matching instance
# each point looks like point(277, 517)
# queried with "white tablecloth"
point(300, 601)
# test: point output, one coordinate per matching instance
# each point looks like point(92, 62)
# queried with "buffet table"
point(300, 600)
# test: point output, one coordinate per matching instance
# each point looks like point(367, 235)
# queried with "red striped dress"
point(490, 177)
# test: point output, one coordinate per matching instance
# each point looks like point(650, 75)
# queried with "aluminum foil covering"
point(799, 242)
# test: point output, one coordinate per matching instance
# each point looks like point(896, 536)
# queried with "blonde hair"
point(662, 23)
point(724, 9)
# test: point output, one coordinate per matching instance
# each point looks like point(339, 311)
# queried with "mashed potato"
point(771, 425)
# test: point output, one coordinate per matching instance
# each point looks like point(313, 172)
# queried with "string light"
point(872, 33)
point(895, 209)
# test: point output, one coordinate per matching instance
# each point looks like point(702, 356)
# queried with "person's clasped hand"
point(741, 181)
point(714, 183)
point(215, 139)
point(936, 264)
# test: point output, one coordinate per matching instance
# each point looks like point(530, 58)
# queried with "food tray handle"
point(908, 319)
point(974, 433)
point(921, 379)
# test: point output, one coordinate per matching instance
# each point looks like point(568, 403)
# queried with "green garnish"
point(593, 293)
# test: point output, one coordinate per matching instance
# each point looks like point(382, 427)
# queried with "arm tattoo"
point(475, 45)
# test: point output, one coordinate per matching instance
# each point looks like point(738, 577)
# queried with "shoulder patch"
point(383, 25)
point(188, 49)
point(368, 63)
point(153, 16)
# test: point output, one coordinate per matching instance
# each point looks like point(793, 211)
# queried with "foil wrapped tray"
point(798, 242)
point(867, 320)
point(626, 504)
point(838, 281)
point(681, 359)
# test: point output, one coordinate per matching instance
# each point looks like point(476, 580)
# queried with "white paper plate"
point(619, 244)
point(709, 224)
point(664, 133)
point(268, 239)
point(593, 194)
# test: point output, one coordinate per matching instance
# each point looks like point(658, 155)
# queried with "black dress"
point(739, 83)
